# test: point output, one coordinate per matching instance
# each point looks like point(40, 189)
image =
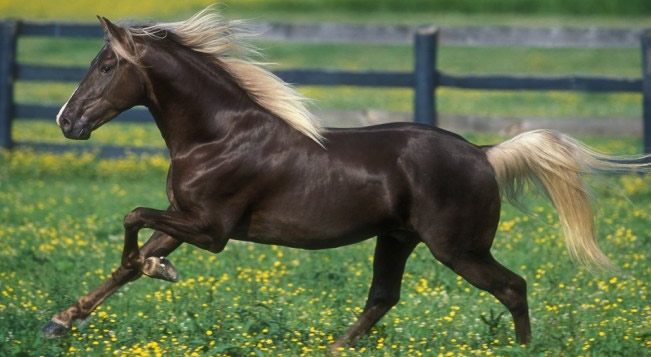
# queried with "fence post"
point(8, 34)
point(646, 89)
point(425, 75)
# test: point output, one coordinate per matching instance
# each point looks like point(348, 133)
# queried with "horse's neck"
point(199, 103)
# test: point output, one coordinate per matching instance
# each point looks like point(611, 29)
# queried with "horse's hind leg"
point(465, 248)
point(388, 267)
point(158, 245)
point(460, 232)
point(484, 272)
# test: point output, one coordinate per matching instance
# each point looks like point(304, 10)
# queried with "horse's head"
point(111, 86)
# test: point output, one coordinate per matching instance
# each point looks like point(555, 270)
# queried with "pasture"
point(61, 229)
point(504, 12)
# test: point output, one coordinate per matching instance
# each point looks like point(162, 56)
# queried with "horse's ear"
point(112, 31)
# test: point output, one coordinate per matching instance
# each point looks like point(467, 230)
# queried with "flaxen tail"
point(554, 163)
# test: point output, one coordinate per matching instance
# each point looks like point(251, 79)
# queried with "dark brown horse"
point(249, 162)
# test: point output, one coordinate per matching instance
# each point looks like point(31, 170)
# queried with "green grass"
point(580, 7)
point(446, 18)
point(61, 235)
point(447, 12)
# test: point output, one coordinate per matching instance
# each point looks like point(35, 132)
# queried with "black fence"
point(424, 79)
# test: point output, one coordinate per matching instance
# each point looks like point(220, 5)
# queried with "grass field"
point(61, 234)
point(499, 12)
point(61, 219)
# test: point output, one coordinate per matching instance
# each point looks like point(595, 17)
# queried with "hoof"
point(160, 268)
point(53, 330)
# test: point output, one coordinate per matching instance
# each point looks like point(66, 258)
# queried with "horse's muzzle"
point(72, 130)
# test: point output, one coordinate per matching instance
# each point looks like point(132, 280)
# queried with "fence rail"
point(424, 79)
point(540, 83)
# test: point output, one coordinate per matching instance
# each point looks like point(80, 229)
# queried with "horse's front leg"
point(184, 226)
point(158, 245)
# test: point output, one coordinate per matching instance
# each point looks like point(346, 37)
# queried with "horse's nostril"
point(65, 124)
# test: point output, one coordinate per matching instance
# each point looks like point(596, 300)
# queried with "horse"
point(250, 162)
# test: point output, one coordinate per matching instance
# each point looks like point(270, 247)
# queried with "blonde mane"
point(208, 32)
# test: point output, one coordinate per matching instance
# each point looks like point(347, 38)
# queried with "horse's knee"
point(133, 218)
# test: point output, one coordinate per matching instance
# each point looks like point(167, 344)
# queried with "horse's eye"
point(105, 69)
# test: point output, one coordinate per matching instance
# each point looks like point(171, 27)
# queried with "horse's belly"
point(307, 242)
point(314, 228)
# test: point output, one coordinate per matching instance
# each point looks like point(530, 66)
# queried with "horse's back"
point(431, 168)
point(443, 181)
point(422, 153)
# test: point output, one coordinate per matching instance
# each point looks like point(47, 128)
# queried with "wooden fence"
point(424, 79)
